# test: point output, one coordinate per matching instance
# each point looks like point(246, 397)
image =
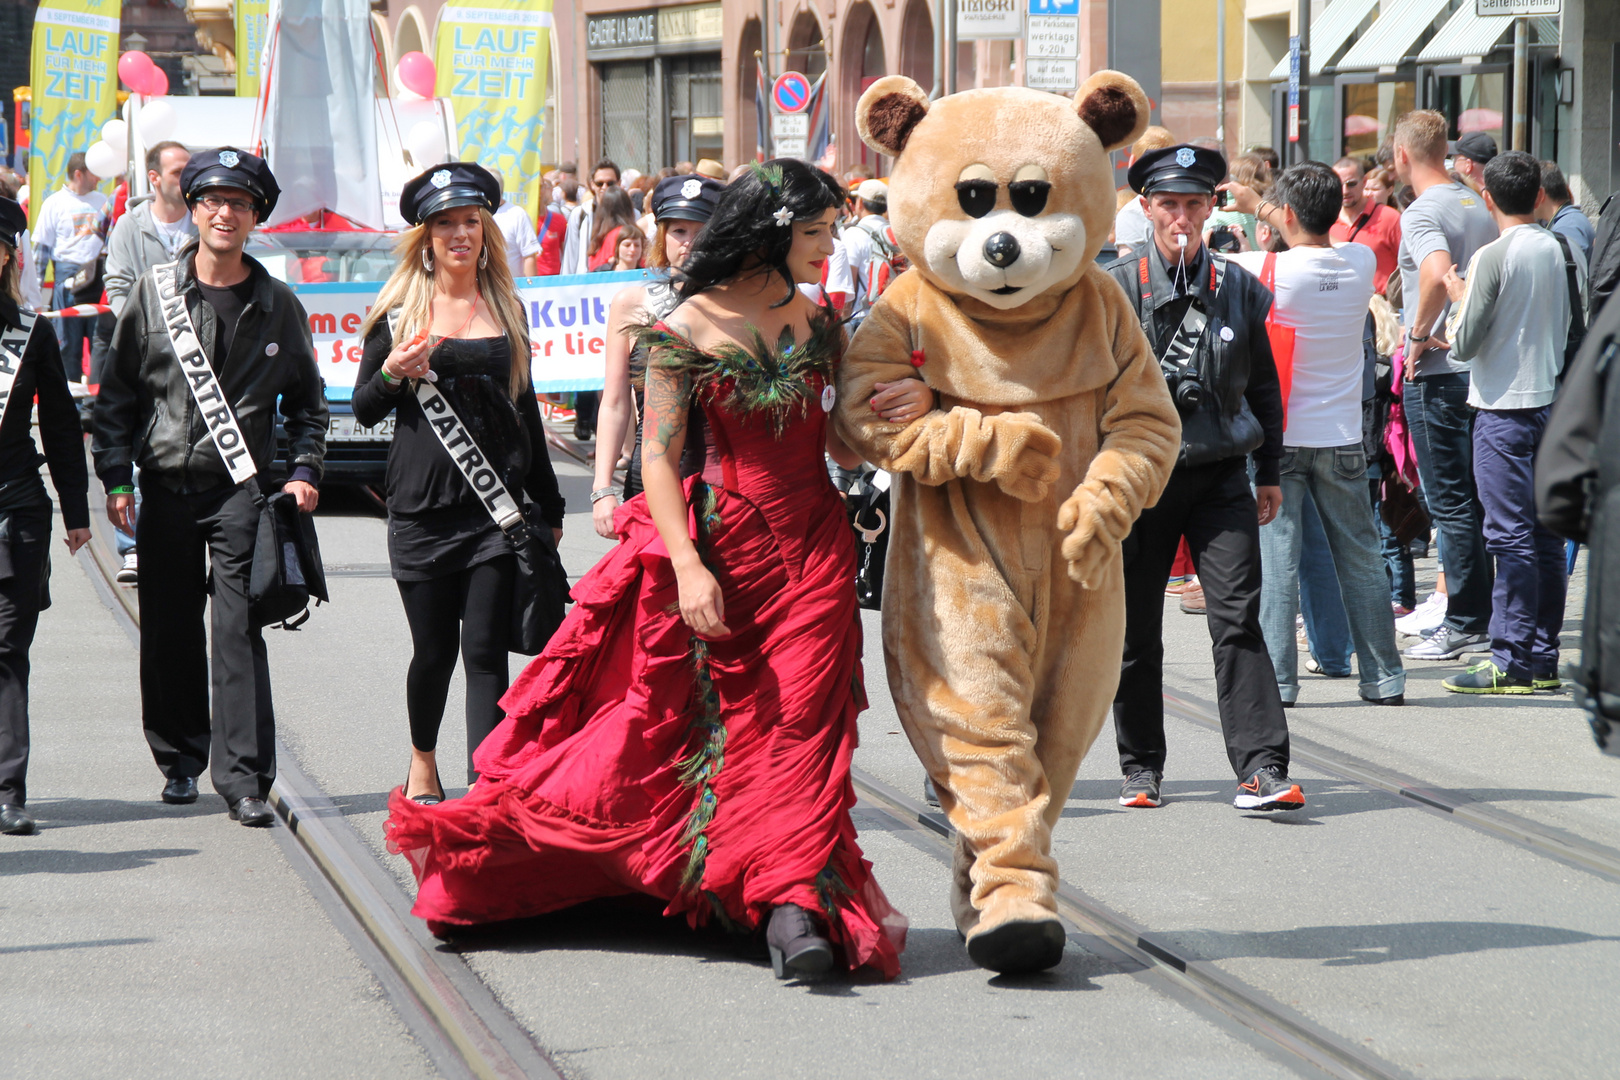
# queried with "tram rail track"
point(1546, 840)
point(1191, 975)
point(447, 1007)
point(444, 1001)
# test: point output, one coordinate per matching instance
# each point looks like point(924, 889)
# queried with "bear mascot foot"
point(1019, 947)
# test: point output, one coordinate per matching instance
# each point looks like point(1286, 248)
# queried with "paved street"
point(142, 940)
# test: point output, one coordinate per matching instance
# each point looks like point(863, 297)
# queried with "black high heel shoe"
point(427, 798)
point(797, 950)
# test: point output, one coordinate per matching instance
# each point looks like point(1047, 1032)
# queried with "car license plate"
point(346, 429)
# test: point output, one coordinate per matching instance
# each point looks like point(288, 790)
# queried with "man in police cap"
point(198, 462)
point(1205, 319)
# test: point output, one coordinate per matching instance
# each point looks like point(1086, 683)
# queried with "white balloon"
point(115, 133)
point(157, 121)
point(426, 143)
point(103, 160)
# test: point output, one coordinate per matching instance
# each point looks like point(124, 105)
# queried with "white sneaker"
point(1423, 618)
point(129, 573)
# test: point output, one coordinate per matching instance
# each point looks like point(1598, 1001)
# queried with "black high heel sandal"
point(426, 798)
point(797, 950)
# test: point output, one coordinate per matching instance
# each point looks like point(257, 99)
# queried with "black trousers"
point(193, 547)
point(21, 592)
point(1214, 508)
point(469, 611)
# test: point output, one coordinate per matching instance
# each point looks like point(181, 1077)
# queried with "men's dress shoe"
point(180, 790)
point(14, 821)
point(255, 813)
point(1393, 699)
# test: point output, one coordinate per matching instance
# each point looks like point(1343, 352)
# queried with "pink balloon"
point(416, 74)
point(157, 82)
point(133, 68)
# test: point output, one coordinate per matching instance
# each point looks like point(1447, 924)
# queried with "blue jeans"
point(1442, 426)
point(1326, 625)
point(1336, 477)
point(1397, 556)
point(71, 334)
point(1528, 602)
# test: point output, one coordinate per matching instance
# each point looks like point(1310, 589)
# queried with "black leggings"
point(469, 610)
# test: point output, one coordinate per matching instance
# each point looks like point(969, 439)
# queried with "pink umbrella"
point(1479, 120)
point(1356, 124)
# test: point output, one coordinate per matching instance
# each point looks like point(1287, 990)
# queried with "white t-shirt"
point(1323, 293)
point(70, 225)
point(521, 241)
point(1131, 227)
point(172, 234)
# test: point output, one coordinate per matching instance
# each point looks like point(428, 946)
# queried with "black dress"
point(437, 525)
point(25, 526)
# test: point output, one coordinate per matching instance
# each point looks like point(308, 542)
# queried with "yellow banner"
point(252, 17)
point(491, 63)
point(75, 87)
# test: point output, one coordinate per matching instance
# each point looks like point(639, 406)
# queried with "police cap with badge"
point(444, 187)
point(1181, 170)
point(686, 198)
point(228, 167)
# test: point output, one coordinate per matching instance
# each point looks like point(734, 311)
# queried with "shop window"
point(1476, 102)
point(627, 114)
point(1370, 112)
point(692, 93)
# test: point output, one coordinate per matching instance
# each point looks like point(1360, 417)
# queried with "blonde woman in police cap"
point(35, 367)
point(450, 313)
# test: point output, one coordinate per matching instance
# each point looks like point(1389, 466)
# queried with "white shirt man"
point(70, 221)
point(522, 245)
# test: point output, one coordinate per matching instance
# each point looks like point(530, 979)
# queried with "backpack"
point(886, 263)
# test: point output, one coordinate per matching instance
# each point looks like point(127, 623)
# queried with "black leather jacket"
point(1242, 411)
point(146, 415)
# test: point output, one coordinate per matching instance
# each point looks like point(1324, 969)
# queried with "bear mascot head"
point(1000, 196)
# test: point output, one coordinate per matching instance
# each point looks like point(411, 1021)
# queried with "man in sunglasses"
point(205, 348)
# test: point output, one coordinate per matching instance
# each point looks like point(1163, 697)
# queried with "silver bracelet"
point(601, 493)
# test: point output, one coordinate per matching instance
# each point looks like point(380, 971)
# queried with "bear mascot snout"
point(1003, 597)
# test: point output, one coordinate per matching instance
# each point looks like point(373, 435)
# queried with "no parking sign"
point(791, 92)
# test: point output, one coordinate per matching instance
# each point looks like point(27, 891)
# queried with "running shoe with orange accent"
point(1141, 788)
point(1269, 789)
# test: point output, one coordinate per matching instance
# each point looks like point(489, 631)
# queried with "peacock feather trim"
point(831, 890)
point(703, 764)
point(762, 380)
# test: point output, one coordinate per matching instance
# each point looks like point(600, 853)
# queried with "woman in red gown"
point(688, 732)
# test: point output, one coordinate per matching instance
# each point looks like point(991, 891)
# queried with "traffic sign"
point(1054, 7)
point(790, 126)
point(1485, 8)
point(791, 92)
point(1043, 74)
point(791, 148)
point(1054, 37)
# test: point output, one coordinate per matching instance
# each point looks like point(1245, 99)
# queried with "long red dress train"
point(637, 758)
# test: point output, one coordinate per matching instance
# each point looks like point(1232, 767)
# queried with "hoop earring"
point(427, 260)
point(483, 258)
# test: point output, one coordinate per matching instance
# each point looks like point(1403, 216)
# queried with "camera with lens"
point(1187, 391)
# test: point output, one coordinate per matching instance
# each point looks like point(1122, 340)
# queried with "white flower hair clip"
point(784, 217)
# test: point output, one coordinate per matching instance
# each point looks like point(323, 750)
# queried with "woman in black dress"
point(31, 364)
point(450, 314)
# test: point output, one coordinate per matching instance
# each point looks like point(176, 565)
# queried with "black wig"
point(746, 225)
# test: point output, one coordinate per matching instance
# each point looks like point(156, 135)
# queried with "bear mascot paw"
point(1003, 604)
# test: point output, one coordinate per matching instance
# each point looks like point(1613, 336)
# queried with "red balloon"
point(133, 68)
point(416, 73)
point(157, 82)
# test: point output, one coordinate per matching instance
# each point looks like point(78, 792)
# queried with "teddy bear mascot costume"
point(1003, 597)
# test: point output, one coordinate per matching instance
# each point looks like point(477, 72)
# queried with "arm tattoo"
point(668, 397)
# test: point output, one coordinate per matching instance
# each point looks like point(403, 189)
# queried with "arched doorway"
point(860, 64)
point(806, 51)
point(748, 136)
point(410, 35)
point(917, 44)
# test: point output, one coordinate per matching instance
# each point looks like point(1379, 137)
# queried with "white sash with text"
point(205, 388)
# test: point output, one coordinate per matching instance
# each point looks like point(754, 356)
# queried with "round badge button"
point(829, 398)
point(1227, 334)
point(271, 349)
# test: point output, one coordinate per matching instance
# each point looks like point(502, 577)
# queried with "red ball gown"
point(638, 758)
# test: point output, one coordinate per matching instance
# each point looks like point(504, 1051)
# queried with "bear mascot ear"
point(1111, 103)
point(888, 111)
